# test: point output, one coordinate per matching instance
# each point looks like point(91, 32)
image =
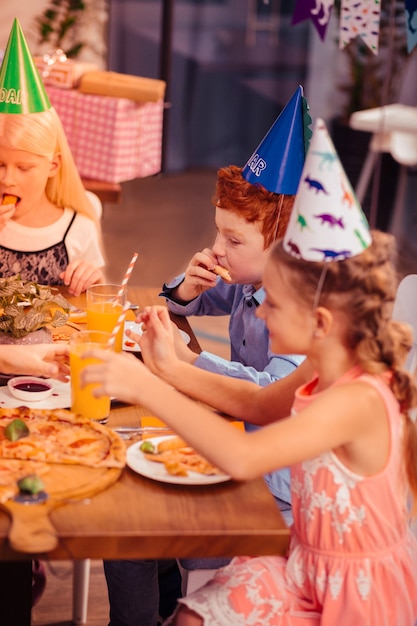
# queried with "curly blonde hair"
point(253, 202)
point(364, 288)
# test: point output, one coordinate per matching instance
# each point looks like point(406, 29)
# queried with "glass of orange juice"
point(83, 401)
point(104, 306)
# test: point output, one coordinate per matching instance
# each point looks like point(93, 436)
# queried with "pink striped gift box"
point(112, 139)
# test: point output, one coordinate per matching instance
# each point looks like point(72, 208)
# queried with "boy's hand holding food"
point(200, 275)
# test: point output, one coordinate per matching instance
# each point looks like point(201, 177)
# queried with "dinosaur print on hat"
point(327, 222)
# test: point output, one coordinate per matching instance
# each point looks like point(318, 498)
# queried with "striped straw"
point(119, 322)
point(127, 276)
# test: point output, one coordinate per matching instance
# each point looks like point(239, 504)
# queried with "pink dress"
point(352, 560)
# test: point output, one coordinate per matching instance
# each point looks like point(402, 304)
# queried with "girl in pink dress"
point(345, 432)
point(351, 445)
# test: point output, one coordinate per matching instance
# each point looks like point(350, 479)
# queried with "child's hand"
point(182, 351)
point(79, 275)
point(157, 343)
point(6, 212)
point(198, 277)
point(117, 375)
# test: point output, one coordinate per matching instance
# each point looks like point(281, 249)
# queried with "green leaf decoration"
point(26, 307)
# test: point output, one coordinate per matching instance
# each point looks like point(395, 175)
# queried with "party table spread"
point(140, 517)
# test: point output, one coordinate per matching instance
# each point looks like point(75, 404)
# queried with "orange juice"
point(104, 316)
point(83, 402)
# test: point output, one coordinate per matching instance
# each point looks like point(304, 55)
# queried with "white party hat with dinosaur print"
point(327, 222)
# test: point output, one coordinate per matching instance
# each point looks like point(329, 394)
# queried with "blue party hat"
point(278, 161)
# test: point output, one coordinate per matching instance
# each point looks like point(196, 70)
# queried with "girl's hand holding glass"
point(117, 375)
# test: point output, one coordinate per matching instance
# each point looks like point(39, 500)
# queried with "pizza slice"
point(59, 436)
point(178, 457)
point(9, 198)
point(14, 470)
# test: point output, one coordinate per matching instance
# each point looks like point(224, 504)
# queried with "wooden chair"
point(405, 310)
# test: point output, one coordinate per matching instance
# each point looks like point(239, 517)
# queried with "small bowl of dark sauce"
point(29, 388)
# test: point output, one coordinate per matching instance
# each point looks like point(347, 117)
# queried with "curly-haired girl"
point(349, 441)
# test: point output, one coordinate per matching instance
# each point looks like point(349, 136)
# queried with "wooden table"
point(141, 518)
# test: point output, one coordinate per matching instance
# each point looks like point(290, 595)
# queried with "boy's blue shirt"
point(251, 358)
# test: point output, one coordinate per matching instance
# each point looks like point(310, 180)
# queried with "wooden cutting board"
point(31, 530)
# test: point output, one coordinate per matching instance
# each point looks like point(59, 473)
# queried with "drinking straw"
point(119, 322)
point(127, 276)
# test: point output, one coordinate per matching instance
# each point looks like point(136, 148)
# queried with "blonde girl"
point(51, 234)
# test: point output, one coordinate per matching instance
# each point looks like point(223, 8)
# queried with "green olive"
point(16, 430)
point(148, 447)
point(30, 484)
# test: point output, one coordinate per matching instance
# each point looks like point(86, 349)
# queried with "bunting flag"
point(360, 18)
point(411, 23)
point(318, 11)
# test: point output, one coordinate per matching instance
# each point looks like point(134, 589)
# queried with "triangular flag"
point(326, 222)
point(278, 161)
point(318, 12)
point(360, 19)
point(21, 87)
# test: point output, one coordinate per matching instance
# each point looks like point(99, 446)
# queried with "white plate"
point(137, 328)
point(137, 461)
point(59, 399)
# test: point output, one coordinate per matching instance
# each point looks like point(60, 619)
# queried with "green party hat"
point(21, 86)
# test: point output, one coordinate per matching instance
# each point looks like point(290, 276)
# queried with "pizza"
point(222, 272)
point(178, 457)
point(60, 336)
point(9, 198)
point(32, 440)
point(14, 470)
